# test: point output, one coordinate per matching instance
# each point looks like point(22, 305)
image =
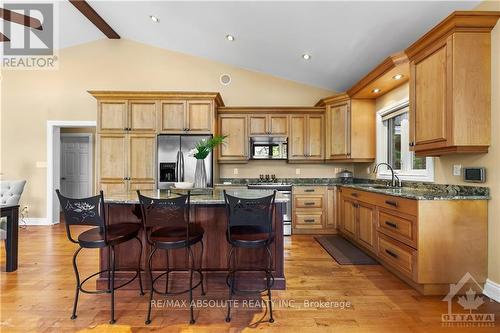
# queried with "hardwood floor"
point(39, 296)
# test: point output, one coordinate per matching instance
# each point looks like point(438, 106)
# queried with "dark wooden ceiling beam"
point(95, 18)
point(17, 18)
point(4, 38)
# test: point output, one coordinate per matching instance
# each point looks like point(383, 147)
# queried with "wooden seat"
point(175, 237)
point(249, 236)
point(116, 234)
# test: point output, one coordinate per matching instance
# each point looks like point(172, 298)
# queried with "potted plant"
point(200, 152)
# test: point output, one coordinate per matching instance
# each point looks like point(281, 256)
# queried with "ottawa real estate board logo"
point(28, 36)
point(470, 302)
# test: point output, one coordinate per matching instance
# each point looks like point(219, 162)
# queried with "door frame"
point(90, 137)
point(53, 163)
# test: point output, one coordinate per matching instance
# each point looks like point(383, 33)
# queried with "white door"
point(76, 166)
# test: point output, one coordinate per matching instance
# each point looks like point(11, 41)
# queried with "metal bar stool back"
point(250, 226)
point(168, 227)
point(91, 212)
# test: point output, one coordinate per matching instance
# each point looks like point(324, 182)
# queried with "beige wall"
point(30, 98)
point(443, 165)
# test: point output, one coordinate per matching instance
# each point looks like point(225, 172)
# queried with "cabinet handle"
point(309, 203)
point(391, 203)
point(309, 190)
point(391, 224)
point(354, 194)
point(309, 220)
point(392, 254)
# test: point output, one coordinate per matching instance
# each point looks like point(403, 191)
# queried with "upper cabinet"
point(450, 86)
point(350, 129)
point(157, 112)
point(306, 139)
point(235, 148)
point(270, 124)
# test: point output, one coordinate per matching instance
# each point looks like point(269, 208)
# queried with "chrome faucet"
point(394, 177)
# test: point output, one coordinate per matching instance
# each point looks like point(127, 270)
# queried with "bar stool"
point(90, 212)
point(250, 226)
point(168, 227)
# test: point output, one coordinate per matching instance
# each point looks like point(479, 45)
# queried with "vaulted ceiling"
point(345, 39)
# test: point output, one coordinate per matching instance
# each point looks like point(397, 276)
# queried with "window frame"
point(406, 174)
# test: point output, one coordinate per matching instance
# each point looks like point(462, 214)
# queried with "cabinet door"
point(278, 125)
point(297, 138)
point(348, 217)
point(339, 124)
point(141, 158)
point(331, 209)
point(366, 226)
point(258, 125)
point(112, 162)
point(315, 137)
point(199, 117)
point(112, 116)
point(173, 116)
point(428, 102)
point(142, 116)
point(235, 147)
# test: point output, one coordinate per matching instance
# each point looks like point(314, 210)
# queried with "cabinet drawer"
point(321, 190)
point(309, 201)
point(398, 255)
point(403, 229)
point(403, 205)
point(308, 220)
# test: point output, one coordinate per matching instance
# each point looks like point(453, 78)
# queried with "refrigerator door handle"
point(181, 164)
point(178, 167)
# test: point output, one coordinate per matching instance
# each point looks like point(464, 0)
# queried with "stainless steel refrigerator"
point(174, 163)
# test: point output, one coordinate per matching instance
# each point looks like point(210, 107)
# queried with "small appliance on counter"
point(345, 176)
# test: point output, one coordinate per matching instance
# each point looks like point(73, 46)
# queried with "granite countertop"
point(410, 190)
point(423, 193)
point(198, 196)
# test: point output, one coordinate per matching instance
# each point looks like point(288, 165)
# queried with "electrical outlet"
point(235, 171)
point(297, 171)
point(457, 170)
point(41, 164)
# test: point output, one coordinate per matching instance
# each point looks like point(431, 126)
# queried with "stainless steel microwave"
point(268, 148)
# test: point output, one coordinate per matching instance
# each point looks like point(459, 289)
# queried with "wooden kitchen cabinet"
point(142, 116)
point(186, 116)
point(312, 211)
point(126, 162)
point(112, 116)
point(450, 86)
point(418, 240)
point(306, 138)
point(269, 124)
point(350, 129)
point(235, 148)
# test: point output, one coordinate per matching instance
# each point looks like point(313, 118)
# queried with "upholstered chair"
point(10, 193)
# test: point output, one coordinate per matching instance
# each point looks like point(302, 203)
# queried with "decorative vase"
point(200, 174)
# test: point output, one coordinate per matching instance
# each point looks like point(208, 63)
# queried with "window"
point(393, 146)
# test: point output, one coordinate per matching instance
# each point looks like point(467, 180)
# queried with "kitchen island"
point(208, 209)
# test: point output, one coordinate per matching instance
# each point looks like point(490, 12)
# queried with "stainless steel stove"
point(285, 191)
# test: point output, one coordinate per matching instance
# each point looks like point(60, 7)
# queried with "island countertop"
point(210, 196)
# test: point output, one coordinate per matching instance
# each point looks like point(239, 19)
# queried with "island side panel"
point(213, 219)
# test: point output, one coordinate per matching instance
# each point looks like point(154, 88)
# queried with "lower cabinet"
point(429, 244)
point(313, 210)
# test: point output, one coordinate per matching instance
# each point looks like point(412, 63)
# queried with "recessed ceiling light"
point(230, 38)
point(398, 76)
point(376, 90)
point(306, 56)
point(154, 18)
